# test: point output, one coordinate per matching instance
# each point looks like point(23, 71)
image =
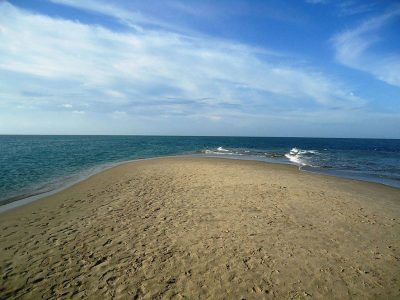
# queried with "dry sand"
point(205, 228)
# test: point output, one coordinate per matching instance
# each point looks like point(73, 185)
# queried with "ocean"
point(37, 165)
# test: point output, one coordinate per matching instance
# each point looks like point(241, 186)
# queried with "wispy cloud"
point(128, 17)
point(351, 7)
point(152, 65)
point(354, 48)
point(174, 12)
point(152, 75)
point(347, 8)
point(107, 9)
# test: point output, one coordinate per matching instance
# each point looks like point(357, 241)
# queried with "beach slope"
point(205, 228)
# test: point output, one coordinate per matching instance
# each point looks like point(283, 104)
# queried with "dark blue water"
point(35, 164)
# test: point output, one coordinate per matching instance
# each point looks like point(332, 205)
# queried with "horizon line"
point(216, 136)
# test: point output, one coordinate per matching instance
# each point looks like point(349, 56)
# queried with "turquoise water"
point(31, 165)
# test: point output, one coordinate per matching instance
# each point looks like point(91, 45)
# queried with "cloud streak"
point(160, 78)
point(354, 49)
point(124, 67)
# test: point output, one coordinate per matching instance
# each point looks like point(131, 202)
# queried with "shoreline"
point(205, 227)
point(101, 168)
point(41, 195)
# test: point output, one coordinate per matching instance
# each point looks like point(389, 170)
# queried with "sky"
point(306, 68)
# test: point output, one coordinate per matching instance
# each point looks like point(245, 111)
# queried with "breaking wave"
point(242, 152)
point(301, 157)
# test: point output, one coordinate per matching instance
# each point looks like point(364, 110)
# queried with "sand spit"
point(201, 228)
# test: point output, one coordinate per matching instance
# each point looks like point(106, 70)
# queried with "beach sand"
point(205, 228)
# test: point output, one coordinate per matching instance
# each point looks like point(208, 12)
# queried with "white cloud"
point(104, 8)
point(354, 48)
point(133, 19)
point(351, 7)
point(135, 77)
point(153, 65)
point(347, 7)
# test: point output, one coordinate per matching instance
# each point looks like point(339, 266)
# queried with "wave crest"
point(299, 156)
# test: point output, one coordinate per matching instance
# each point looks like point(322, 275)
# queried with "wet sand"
point(205, 228)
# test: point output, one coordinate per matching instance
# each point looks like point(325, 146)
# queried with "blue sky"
point(319, 68)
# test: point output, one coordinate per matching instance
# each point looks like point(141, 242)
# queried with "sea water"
point(34, 165)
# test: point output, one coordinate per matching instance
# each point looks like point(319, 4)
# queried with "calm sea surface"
point(32, 165)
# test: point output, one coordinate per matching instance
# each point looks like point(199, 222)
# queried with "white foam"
point(218, 152)
point(295, 155)
point(222, 149)
point(308, 152)
point(295, 159)
point(294, 151)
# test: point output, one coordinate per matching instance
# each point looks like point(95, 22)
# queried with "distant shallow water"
point(379, 164)
point(34, 165)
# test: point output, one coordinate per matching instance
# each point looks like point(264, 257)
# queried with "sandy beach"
point(200, 228)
